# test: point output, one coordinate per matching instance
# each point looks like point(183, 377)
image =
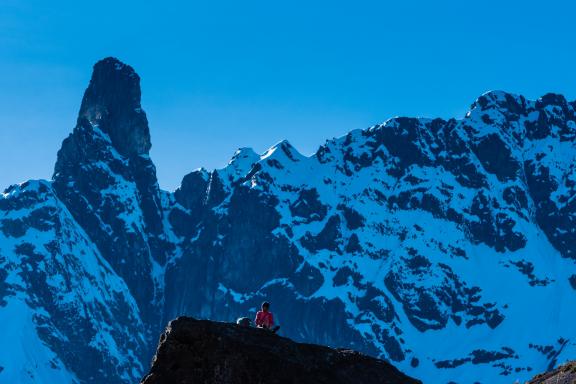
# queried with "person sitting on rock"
point(265, 319)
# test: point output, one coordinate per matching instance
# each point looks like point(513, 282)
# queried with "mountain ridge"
point(416, 240)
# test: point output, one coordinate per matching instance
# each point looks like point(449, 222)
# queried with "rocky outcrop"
point(200, 351)
point(112, 102)
point(565, 374)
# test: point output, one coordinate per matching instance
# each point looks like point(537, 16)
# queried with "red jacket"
point(264, 319)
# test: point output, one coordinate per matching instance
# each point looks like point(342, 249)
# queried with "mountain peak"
point(551, 99)
point(244, 153)
point(500, 100)
point(282, 150)
point(117, 64)
point(112, 102)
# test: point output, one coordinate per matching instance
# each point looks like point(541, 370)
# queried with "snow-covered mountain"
point(446, 247)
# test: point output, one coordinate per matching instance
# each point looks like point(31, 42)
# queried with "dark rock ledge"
point(202, 351)
point(564, 374)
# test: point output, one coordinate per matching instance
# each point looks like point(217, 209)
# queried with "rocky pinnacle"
point(112, 102)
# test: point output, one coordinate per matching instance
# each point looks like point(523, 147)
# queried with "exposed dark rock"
point(251, 255)
point(550, 218)
point(564, 374)
point(112, 102)
point(479, 356)
point(326, 239)
point(452, 363)
point(402, 138)
point(430, 303)
point(346, 275)
point(192, 192)
point(516, 197)
point(376, 302)
point(354, 219)
point(215, 192)
point(307, 279)
point(495, 230)
point(353, 244)
point(573, 281)
point(527, 268)
point(309, 206)
point(222, 353)
point(496, 157)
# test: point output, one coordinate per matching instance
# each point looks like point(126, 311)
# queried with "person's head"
point(265, 306)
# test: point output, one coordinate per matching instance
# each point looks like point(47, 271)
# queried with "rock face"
point(565, 374)
point(104, 176)
point(196, 351)
point(430, 243)
point(112, 102)
point(69, 317)
point(78, 253)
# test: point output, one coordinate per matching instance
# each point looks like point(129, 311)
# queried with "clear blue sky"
point(218, 75)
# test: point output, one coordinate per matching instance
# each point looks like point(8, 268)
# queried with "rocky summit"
point(446, 247)
point(200, 351)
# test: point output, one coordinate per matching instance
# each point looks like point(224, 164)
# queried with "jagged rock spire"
point(112, 102)
point(109, 186)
